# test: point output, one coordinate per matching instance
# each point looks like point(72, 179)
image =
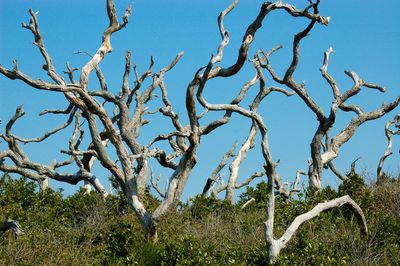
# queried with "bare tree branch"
point(389, 135)
point(247, 203)
point(248, 180)
point(105, 47)
point(70, 72)
point(48, 67)
point(284, 190)
point(214, 175)
point(334, 170)
point(353, 167)
point(58, 111)
point(155, 184)
point(50, 132)
point(321, 207)
point(99, 72)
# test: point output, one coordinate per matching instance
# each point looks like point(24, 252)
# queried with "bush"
point(87, 230)
point(259, 193)
point(201, 206)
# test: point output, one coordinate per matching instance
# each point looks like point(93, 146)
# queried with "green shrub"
point(16, 197)
point(314, 253)
point(259, 193)
point(201, 206)
point(88, 230)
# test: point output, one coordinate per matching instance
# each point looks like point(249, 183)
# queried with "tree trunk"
point(149, 225)
point(151, 233)
point(315, 182)
point(44, 184)
point(87, 187)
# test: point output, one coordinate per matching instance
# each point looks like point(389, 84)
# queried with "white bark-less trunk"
point(145, 218)
point(178, 180)
point(315, 181)
point(95, 182)
point(276, 245)
point(44, 183)
point(87, 187)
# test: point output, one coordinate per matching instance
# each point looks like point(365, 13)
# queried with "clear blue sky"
point(365, 36)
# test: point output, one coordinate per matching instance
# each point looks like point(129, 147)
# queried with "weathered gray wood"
point(120, 129)
point(318, 160)
point(319, 155)
point(389, 135)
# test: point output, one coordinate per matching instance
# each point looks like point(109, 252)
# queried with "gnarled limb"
point(276, 245)
point(235, 165)
point(248, 180)
point(322, 154)
point(50, 132)
point(389, 135)
point(343, 136)
point(156, 185)
point(105, 47)
point(40, 172)
point(334, 170)
point(48, 67)
point(99, 72)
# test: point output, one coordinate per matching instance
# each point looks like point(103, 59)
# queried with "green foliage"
point(388, 231)
point(187, 251)
point(201, 206)
point(353, 186)
point(259, 193)
point(314, 253)
point(85, 229)
point(113, 246)
point(16, 197)
point(150, 201)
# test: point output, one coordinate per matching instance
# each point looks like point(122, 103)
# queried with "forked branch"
point(105, 47)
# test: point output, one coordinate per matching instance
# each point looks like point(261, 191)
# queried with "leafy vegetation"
point(88, 230)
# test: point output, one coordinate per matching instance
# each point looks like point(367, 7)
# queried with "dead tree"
point(215, 183)
point(274, 246)
point(121, 128)
point(321, 154)
point(389, 135)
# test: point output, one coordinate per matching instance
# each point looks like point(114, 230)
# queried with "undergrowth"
point(87, 230)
